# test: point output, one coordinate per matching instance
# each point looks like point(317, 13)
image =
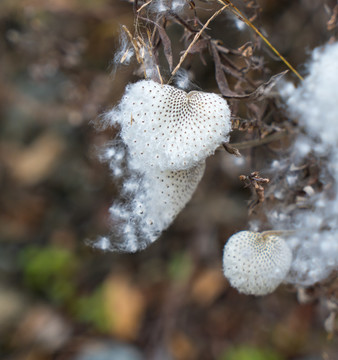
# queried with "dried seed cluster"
point(170, 129)
point(166, 136)
point(256, 263)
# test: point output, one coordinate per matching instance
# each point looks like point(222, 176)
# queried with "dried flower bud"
point(256, 263)
point(170, 129)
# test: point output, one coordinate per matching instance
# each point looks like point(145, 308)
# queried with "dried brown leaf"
point(220, 77)
point(199, 46)
point(166, 45)
point(219, 73)
point(265, 88)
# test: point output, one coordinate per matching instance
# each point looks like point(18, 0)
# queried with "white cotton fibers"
point(256, 263)
point(165, 136)
point(153, 203)
point(314, 103)
point(167, 6)
point(170, 129)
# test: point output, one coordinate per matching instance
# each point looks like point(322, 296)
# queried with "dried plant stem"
point(257, 142)
point(159, 74)
point(133, 41)
point(242, 17)
point(196, 37)
point(144, 5)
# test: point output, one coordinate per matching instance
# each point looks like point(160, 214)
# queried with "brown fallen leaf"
point(208, 286)
point(33, 164)
point(125, 305)
point(182, 347)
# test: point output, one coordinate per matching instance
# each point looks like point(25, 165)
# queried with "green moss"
point(245, 352)
point(49, 271)
point(91, 310)
point(180, 267)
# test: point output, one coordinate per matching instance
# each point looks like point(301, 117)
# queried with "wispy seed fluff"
point(256, 263)
point(170, 129)
point(314, 103)
point(165, 136)
point(150, 201)
point(165, 6)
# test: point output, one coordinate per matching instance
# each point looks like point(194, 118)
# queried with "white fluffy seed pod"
point(153, 200)
point(167, 128)
point(256, 263)
point(167, 192)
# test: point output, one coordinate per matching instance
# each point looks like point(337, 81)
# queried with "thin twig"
point(144, 5)
point(257, 142)
point(182, 22)
point(196, 37)
point(159, 74)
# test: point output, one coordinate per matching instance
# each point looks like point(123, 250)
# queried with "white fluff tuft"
point(164, 6)
point(315, 104)
point(125, 52)
point(150, 200)
point(151, 206)
point(182, 80)
point(256, 263)
point(315, 101)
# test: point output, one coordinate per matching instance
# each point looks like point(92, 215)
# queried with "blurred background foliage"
point(250, 353)
point(59, 298)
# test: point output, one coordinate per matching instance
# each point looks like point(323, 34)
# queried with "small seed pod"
point(256, 263)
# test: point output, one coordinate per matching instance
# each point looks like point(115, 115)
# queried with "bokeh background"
point(61, 299)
